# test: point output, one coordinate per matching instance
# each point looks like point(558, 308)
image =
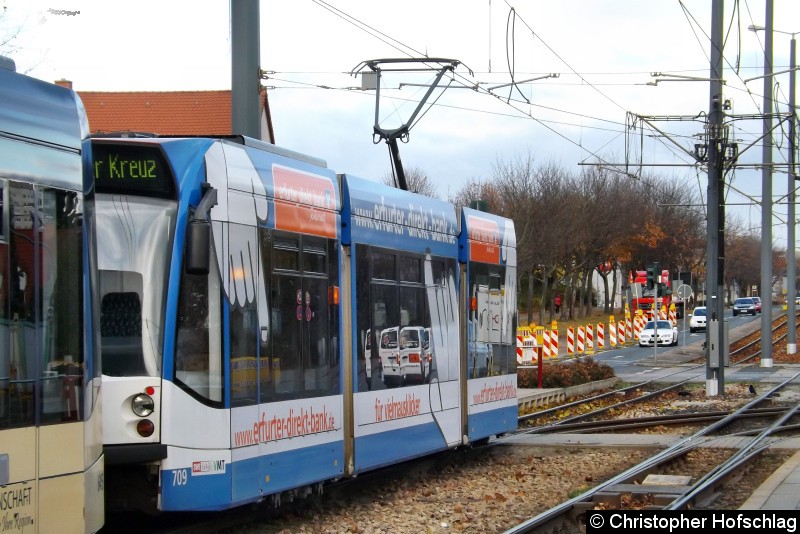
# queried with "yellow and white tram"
point(51, 461)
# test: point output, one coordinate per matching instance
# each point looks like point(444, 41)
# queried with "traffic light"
point(653, 275)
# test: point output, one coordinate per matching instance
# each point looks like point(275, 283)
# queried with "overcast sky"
point(603, 51)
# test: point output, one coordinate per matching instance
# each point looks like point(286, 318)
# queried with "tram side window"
point(489, 353)
point(20, 367)
point(441, 318)
point(368, 361)
point(243, 322)
point(398, 316)
point(60, 331)
point(198, 353)
point(383, 266)
point(243, 318)
point(5, 282)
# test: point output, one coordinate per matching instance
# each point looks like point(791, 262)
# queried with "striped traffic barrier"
point(612, 332)
point(554, 342)
point(629, 330)
point(621, 332)
point(570, 340)
point(581, 338)
point(546, 353)
point(589, 339)
point(673, 316)
point(601, 336)
point(526, 346)
point(638, 327)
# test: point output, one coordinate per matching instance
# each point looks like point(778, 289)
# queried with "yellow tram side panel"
point(18, 499)
point(20, 445)
point(71, 482)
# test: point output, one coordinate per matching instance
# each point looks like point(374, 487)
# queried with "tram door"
point(301, 351)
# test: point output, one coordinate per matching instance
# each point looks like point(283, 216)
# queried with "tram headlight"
point(142, 405)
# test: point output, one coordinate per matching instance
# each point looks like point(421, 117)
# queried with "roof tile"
point(162, 113)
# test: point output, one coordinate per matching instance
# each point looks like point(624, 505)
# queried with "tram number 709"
point(179, 477)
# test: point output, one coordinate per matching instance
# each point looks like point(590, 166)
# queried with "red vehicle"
point(643, 297)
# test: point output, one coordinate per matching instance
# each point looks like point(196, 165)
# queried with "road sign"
point(684, 292)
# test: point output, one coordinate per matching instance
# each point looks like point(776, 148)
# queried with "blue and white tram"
point(224, 377)
point(487, 252)
point(267, 325)
point(403, 251)
point(51, 463)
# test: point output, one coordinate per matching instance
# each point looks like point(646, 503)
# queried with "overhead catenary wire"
point(516, 105)
point(410, 51)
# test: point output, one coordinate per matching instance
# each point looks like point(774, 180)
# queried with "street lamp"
point(791, 334)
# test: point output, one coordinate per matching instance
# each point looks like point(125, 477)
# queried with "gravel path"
point(501, 488)
point(495, 492)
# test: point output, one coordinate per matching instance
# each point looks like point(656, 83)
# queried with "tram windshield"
point(133, 239)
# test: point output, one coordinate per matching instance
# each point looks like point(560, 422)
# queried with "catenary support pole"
point(716, 209)
point(791, 274)
point(245, 75)
point(766, 198)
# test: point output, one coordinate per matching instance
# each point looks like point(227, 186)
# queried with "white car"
point(415, 354)
point(697, 320)
point(389, 350)
point(667, 334)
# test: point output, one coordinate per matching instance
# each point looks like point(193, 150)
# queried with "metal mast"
point(715, 266)
point(245, 74)
point(766, 199)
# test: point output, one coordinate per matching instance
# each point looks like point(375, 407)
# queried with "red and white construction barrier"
point(546, 348)
point(589, 339)
point(638, 326)
point(570, 340)
point(601, 336)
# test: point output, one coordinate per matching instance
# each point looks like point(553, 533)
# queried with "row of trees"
point(568, 225)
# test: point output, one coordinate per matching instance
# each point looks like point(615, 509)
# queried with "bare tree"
point(12, 27)
point(417, 181)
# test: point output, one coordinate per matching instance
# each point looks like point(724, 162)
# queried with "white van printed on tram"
point(415, 354)
point(389, 351)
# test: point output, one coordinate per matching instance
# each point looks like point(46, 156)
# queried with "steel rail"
point(680, 447)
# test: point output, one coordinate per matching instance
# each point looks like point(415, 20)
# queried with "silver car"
point(744, 305)
point(697, 321)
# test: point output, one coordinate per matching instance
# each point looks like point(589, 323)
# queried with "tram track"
point(750, 350)
point(672, 419)
point(692, 495)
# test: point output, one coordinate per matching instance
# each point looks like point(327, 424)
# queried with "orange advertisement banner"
point(484, 252)
point(484, 240)
point(304, 202)
point(305, 219)
point(292, 185)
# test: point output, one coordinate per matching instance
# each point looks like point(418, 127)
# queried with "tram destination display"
point(132, 169)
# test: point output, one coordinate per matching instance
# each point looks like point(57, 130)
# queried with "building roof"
point(162, 113)
point(166, 113)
